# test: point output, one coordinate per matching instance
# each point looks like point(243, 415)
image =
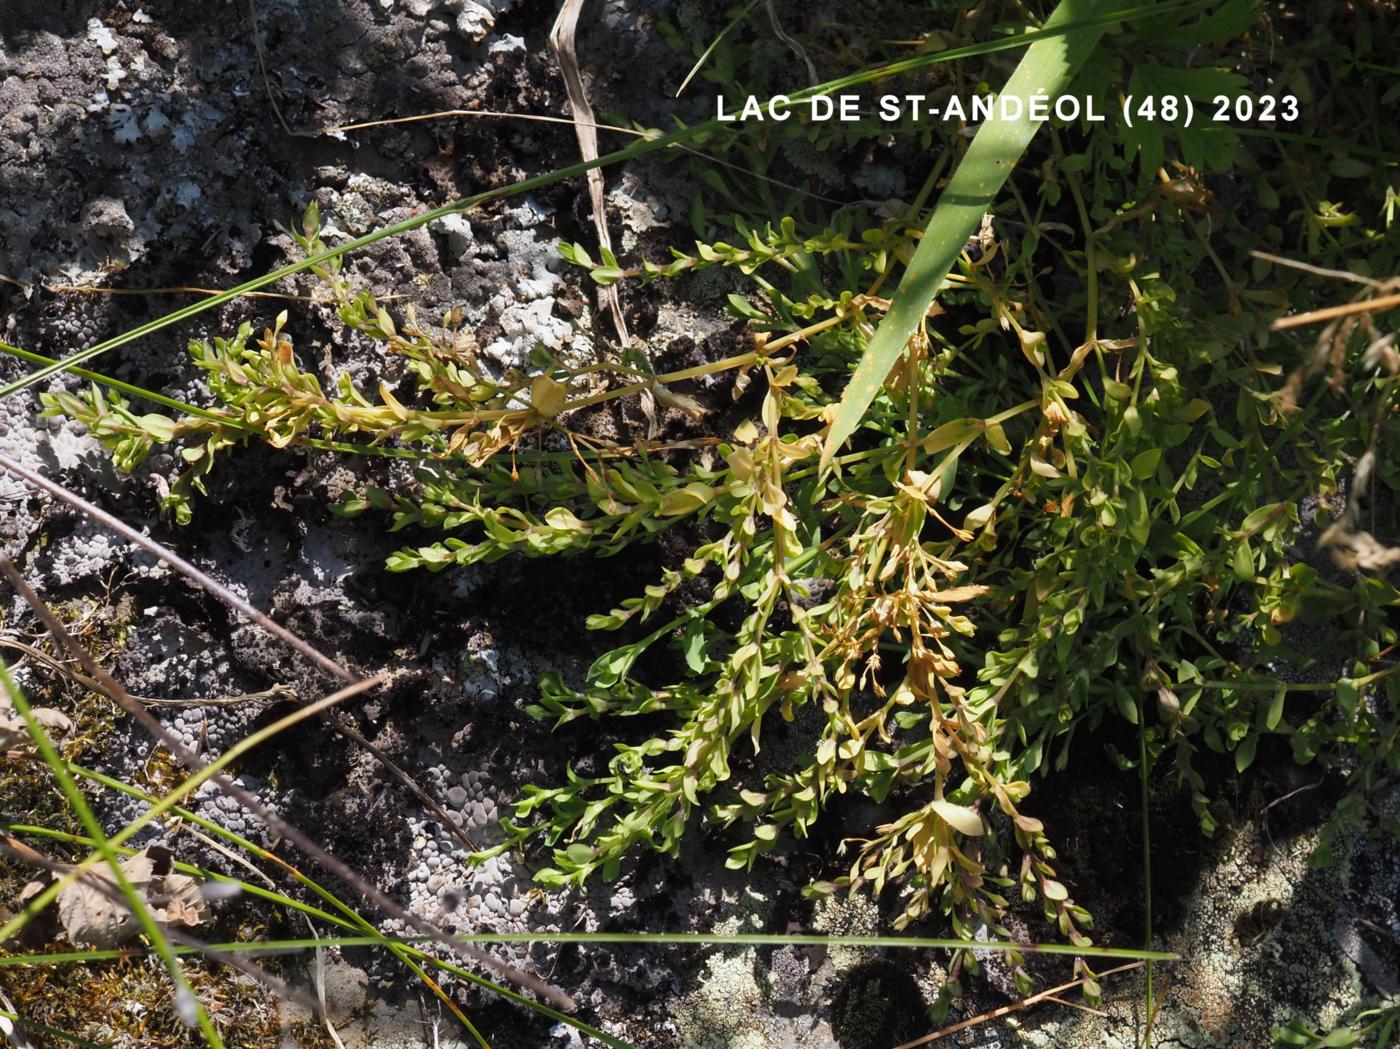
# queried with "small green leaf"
point(1132, 419)
point(1243, 562)
point(1192, 410)
point(159, 427)
point(1119, 391)
point(1145, 463)
point(996, 438)
point(1341, 1038)
point(1274, 712)
point(1347, 696)
point(949, 434)
point(1258, 518)
point(1350, 167)
point(1244, 753)
point(693, 645)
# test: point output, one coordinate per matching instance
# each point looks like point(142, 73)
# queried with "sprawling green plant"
point(1083, 491)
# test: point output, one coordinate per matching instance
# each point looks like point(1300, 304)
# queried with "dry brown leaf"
point(93, 910)
point(955, 594)
point(14, 732)
point(561, 42)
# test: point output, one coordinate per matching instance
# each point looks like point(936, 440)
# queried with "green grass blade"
point(402, 948)
point(661, 939)
point(1048, 66)
point(90, 823)
point(1055, 28)
point(700, 62)
point(126, 388)
point(106, 845)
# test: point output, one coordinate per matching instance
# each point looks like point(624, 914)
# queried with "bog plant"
point(1083, 489)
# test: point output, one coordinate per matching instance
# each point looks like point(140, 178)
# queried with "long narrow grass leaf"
point(1054, 29)
point(705, 55)
point(353, 920)
point(660, 939)
point(1046, 68)
point(89, 820)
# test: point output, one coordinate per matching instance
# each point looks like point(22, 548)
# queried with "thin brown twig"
point(231, 599)
point(267, 80)
point(275, 823)
point(434, 806)
point(1346, 309)
point(276, 694)
point(496, 114)
point(94, 289)
point(178, 563)
point(1068, 1004)
point(500, 114)
point(561, 42)
point(796, 48)
point(1316, 271)
point(1024, 1003)
point(578, 122)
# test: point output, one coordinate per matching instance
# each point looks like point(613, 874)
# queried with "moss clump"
point(128, 1002)
point(877, 1005)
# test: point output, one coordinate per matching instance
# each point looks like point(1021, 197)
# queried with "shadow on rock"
point(877, 1005)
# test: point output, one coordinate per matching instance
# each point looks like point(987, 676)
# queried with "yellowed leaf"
point(959, 817)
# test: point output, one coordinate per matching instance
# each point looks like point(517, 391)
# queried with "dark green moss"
point(878, 1004)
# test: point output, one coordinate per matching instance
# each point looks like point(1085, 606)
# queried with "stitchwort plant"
point(1077, 480)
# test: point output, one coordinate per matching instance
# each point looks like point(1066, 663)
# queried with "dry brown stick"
point(490, 114)
point(93, 289)
point(275, 694)
point(267, 80)
point(1299, 320)
point(1024, 1003)
point(793, 46)
point(434, 806)
point(237, 603)
point(178, 563)
point(276, 824)
point(561, 42)
point(1316, 271)
point(1076, 1005)
point(499, 114)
